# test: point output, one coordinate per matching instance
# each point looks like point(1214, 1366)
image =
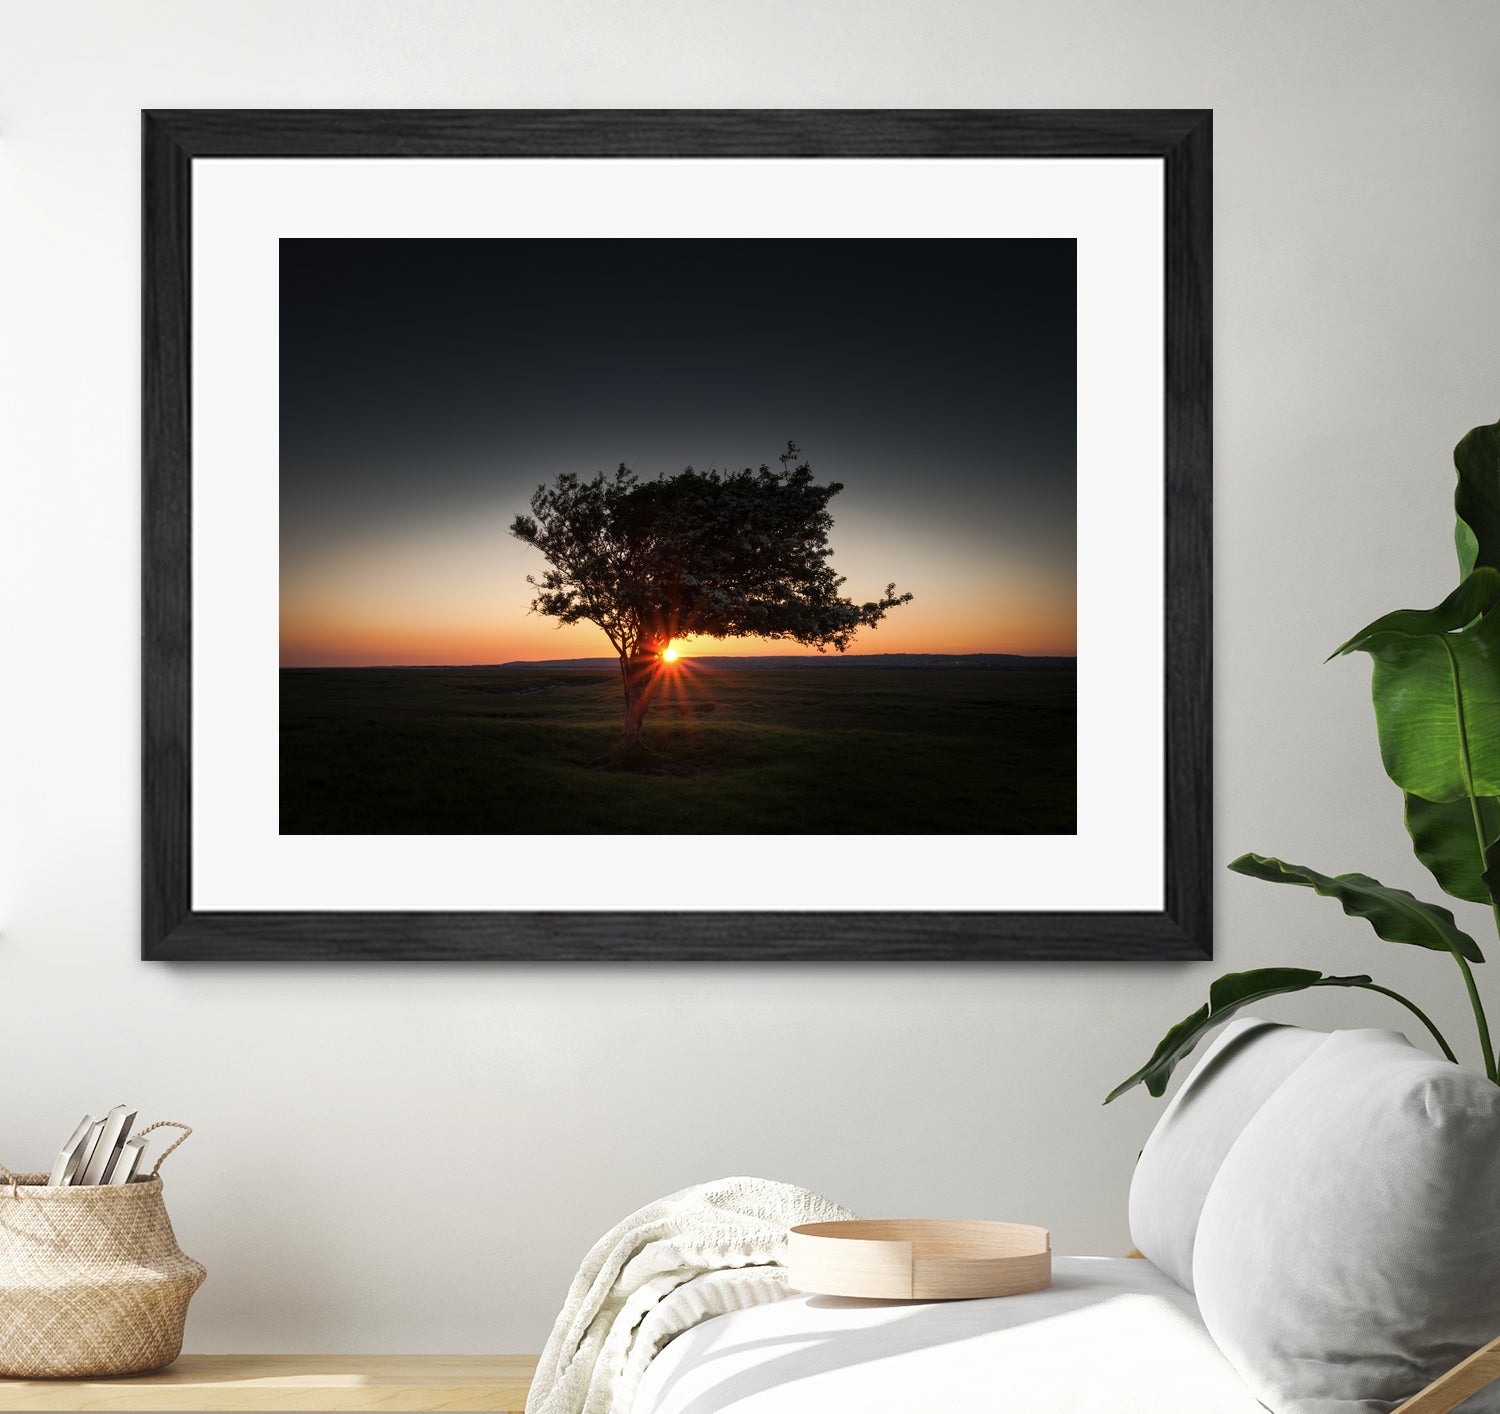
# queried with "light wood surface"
point(919, 1259)
point(491, 1383)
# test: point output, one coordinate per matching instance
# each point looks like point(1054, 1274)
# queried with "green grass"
point(818, 750)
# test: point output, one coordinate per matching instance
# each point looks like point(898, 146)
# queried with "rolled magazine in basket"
point(72, 1154)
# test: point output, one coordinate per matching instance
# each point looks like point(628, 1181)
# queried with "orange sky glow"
point(455, 593)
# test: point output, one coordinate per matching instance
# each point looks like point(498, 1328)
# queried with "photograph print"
point(678, 536)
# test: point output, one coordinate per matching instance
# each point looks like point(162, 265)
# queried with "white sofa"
point(1319, 1216)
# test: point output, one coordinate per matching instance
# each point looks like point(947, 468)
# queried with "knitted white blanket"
point(705, 1250)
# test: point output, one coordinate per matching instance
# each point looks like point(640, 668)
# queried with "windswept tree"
point(716, 554)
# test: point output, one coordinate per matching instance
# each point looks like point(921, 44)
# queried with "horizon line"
point(684, 657)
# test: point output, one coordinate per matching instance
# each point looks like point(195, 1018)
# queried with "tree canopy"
point(718, 554)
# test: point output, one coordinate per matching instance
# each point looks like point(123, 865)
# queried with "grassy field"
point(819, 750)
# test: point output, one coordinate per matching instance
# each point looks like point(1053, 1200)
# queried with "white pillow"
point(1235, 1077)
point(1349, 1249)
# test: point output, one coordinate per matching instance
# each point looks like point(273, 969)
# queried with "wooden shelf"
point(491, 1383)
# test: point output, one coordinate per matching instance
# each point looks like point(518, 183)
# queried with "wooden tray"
point(919, 1259)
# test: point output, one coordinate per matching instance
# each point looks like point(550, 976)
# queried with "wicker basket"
point(92, 1281)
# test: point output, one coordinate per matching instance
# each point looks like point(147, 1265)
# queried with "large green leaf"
point(1474, 595)
point(1394, 914)
point(1446, 841)
point(1225, 997)
point(1477, 498)
point(1436, 686)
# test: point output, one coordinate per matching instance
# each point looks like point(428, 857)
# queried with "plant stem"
point(1486, 1049)
point(1484, 1030)
point(1422, 1016)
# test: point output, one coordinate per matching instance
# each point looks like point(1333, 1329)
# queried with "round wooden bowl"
point(919, 1259)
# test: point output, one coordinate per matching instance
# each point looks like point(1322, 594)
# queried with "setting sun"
point(669, 653)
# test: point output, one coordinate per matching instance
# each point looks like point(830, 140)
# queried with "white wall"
point(522, 1109)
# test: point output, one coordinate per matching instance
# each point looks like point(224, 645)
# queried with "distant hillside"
point(832, 660)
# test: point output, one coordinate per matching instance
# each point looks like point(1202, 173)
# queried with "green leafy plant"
point(1436, 690)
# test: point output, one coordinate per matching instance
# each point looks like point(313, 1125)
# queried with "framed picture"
point(676, 535)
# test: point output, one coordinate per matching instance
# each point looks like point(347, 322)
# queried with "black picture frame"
point(172, 929)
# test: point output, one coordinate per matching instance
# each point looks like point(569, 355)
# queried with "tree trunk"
point(639, 678)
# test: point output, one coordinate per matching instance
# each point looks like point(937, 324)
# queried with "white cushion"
point(1247, 1061)
point(1349, 1249)
point(1110, 1336)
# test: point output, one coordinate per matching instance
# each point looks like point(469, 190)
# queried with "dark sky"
point(428, 386)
